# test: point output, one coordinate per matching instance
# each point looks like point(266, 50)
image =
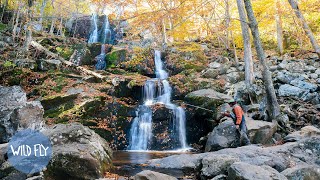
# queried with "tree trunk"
point(16, 23)
point(52, 25)
point(227, 23)
point(29, 28)
point(272, 103)
point(43, 6)
point(306, 28)
point(3, 10)
point(234, 50)
point(164, 32)
point(279, 27)
point(249, 78)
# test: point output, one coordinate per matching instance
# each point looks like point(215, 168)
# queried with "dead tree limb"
point(40, 48)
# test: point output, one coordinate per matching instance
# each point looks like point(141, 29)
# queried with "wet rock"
point(116, 56)
point(310, 172)
point(307, 131)
point(181, 162)
point(100, 62)
point(151, 175)
point(245, 171)
point(25, 63)
point(16, 112)
point(78, 153)
point(214, 165)
point(225, 135)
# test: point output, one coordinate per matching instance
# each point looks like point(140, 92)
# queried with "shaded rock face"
point(78, 153)
point(85, 54)
point(245, 171)
point(223, 136)
point(151, 175)
point(16, 112)
point(310, 172)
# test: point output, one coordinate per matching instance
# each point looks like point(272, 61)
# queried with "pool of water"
point(128, 163)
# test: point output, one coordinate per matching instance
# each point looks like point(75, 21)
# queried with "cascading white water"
point(94, 35)
point(141, 129)
point(106, 36)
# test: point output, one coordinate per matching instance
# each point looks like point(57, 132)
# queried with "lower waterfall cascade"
point(156, 91)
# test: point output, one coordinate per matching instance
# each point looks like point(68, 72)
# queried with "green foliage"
point(9, 64)
point(65, 52)
point(3, 27)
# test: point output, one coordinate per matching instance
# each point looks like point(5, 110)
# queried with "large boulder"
point(288, 90)
point(308, 172)
point(151, 175)
point(287, 77)
point(181, 162)
point(226, 135)
point(245, 171)
point(116, 56)
point(223, 136)
point(78, 153)
point(214, 165)
point(49, 64)
point(207, 98)
point(16, 113)
point(260, 132)
point(278, 157)
point(304, 85)
point(307, 131)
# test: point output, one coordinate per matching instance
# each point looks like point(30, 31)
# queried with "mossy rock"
point(85, 109)
point(52, 102)
point(183, 56)
point(115, 57)
point(141, 60)
point(207, 98)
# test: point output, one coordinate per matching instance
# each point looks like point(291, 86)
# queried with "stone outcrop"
point(78, 153)
point(16, 113)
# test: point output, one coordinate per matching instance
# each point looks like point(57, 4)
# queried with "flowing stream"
point(141, 129)
point(94, 35)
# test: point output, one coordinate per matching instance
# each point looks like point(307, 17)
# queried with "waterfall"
point(94, 35)
point(106, 35)
point(141, 129)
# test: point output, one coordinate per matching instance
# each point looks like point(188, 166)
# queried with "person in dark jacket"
point(239, 120)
